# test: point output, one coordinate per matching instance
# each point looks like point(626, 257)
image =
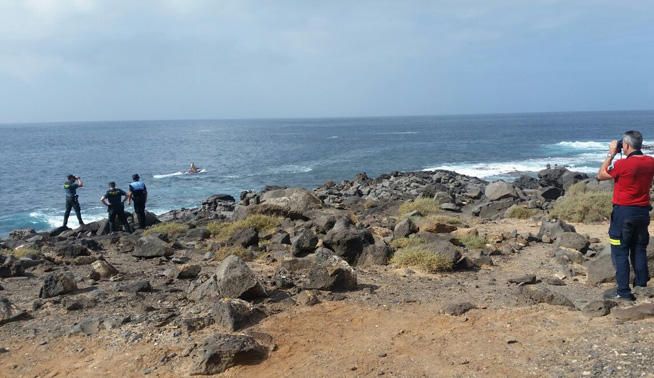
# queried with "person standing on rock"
point(628, 233)
point(115, 199)
point(139, 194)
point(72, 201)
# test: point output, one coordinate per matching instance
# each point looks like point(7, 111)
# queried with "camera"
point(618, 147)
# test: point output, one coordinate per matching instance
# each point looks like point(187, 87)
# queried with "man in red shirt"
point(628, 233)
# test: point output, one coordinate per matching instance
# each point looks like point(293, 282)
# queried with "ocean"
point(238, 155)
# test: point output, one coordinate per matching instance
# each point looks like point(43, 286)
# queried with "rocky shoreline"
point(203, 279)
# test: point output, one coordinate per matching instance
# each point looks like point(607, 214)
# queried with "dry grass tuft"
point(473, 241)
point(426, 206)
point(262, 223)
point(583, 205)
point(169, 228)
point(519, 212)
point(421, 258)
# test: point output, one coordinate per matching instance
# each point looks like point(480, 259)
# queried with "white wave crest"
point(166, 175)
point(289, 168)
point(584, 145)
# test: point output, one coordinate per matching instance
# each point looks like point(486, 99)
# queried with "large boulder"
point(235, 314)
point(22, 234)
point(405, 228)
point(378, 253)
point(304, 243)
point(322, 271)
point(233, 279)
point(551, 229)
point(71, 250)
point(292, 199)
point(244, 237)
point(11, 267)
point(222, 351)
point(57, 284)
point(572, 240)
point(219, 203)
point(541, 294)
point(500, 189)
point(9, 312)
point(493, 209)
point(551, 176)
point(101, 270)
point(346, 240)
point(150, 246)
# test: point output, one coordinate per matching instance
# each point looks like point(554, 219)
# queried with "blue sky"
point(184, 59)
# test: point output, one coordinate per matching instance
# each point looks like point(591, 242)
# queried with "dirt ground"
point(392, 326)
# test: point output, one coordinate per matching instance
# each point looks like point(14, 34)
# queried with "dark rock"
point(552, 177)
point(141, 286)
point(528, 279)
point(553, 228)
point(293, 199)
point(188, 271)
point(493, 209)
point(598, 308)
point(569, 178)
point(458, 309)
point(57, 231)
point(498, 190)
point(324, 223)
point(572, 240)
point(71, 250)
point(404, 228)
point(307, 298)
point(88, 326)
point(321, 270)
point(539, 294)
point(566, 256)
point(281, 237)
point(378, 253)
point(57, 284)
point(304, 243)
point(235, 314)
point(79, 303)
point(233, 279)
point(346, 240)
point(198, 233)
point(245, 237)
point(195, 324)
point(22, 234)
point(9, 312)
point(219, 203)
point(634, 313)
point(102, 270)
point(554, 281)
point(439, 228)
point(11, 267)
point(600, 269)
point(526, 182)
point(551, 193)
point(450, 207)
point(150, 246)
point(221, 351)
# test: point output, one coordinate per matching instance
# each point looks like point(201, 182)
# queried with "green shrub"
point(422, 259)
point(425, 206)
point(582, 205)
point(169, 228)
point(473, 241)
point(407, 242)
point(519, 212)
point(262, 223)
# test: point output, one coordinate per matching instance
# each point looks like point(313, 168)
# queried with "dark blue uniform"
point(116, 208)
point(72, 202)
point(139, 196)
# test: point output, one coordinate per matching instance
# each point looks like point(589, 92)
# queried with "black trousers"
point(118, 212)
point(72, 203)
point(139, 209)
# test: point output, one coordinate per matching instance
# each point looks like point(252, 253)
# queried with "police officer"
point(114, 201)
point(72, 202)
point(628, 233)
point(139, 194)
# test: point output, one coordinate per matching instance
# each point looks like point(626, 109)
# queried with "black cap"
point(112, 184)
point(135, 177)
point(71, 177)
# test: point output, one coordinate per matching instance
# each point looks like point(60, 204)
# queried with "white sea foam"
point(166, 175)
point(579, 163)
point(57, 219)
point(333, 137)
point(584, 145)
point(398, 133)
point(289, 168)
point(178, 173)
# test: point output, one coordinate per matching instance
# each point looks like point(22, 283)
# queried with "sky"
point(81, 60)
